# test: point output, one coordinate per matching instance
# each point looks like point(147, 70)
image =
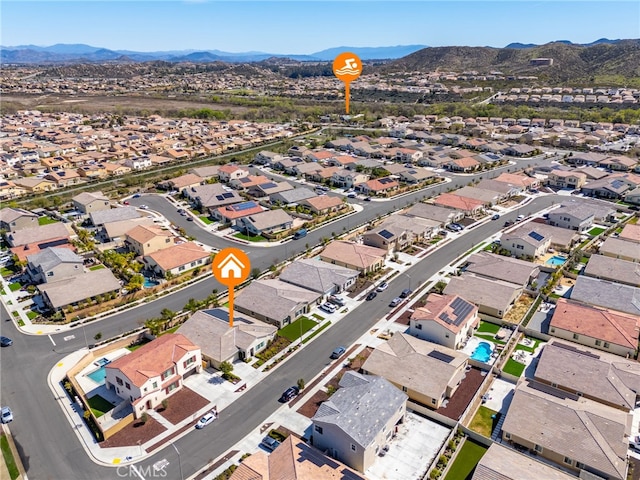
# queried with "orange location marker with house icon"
point(347, 67)
point(231, 267)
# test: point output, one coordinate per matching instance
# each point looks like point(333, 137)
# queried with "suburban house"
point(211, 196)
point(266, 157)
point(616, 296)
point(566, 179)
point(274, 301)
point(613, 270)
point(620, 248)
point(468, 206)
point(100, 217)
point(39, 234)
point(323, 204)
point(547, 421)
point(574, 217)
point(441, 215)
point(356, 423)
point(596, 327)
point(318, 276)
point(562, 239)
point(526, 241)
point(291, 196)
point(504, 463)
point(353, 255)
point(72, 291)
point(116, 231)
point(227, 173)
point(378, 186)
point(249, 181)
point(598, 376)
point(348, 178)
point(522, 181)
point(488, 198)
point(633, 196)
point(146, 239)
point(447, 320)
point(416, 175)
point(387, 237)
point(499, 267)
point(53, 264)
point(177, 259)
point(493, 297)
point(183, 182)
point(154, 372)
point(230, 213)
point(268, 222)
point(502, 189)
point(426, 372)
point(219, 343)
point(12, 219)
point(630, 233)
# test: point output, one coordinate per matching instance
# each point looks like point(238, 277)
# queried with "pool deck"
point(473, 343)
point(88, 385)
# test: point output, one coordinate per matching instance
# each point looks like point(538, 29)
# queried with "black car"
point(6, 341)
point(405, 293)
point(372, 295)
point(495, 217)
point(289, 393)
point(508, 223)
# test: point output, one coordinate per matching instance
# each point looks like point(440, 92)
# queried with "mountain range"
point(78, 53)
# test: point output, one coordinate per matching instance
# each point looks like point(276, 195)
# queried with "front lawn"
point(31, 314)
point(294, 330)
point(206, 219)
point(482, 421)
point(253, 238)
point(595, 231)
point(514, 368)
point(5, 272)
point(488, 327)
point(46, 220)
point(99, 406)
point(466, 461)
point(15, 286)
point(97, 267)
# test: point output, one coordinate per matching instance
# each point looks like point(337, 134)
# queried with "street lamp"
point(409, 277)
point(179, 460)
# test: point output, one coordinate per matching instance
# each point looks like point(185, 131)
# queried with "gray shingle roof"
point(362, 406)
point(113, 215)
point(494, 294)
point(603, 293)
point(9, 214)
point(268, 219)
point(39, 234)
point(273, 298)
point(51, 256)
point(80, 287)
point(293, 196)
point(500, 267)
point(317, 275)
point(613, 269)
point(620, 247)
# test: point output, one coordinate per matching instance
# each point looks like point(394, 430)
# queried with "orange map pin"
point(231, 267)
point(347, 67)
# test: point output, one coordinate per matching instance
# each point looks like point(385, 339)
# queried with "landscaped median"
point(10, 456)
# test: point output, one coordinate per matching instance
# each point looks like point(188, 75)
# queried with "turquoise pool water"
point(556, 261)
point(482, 352)
point(148, 283)
point(98, 375)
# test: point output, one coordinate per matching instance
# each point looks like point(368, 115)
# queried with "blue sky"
point(304, 26)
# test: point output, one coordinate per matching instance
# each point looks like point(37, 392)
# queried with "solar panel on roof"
point(220, 197)
point(443, 357)
point(386, 234)
point(227, 194)
point(617, 183)
point(384, 181)
point(243, 206)
point(536, 236)
point(268, 185)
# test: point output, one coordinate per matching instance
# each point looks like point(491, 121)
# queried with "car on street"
point(206, 420)
point(372, 295)
point(519, 218)
point(289, 393)
point(508, 223)
point(454, 227)
point(269, 443)
point(351, 195)
point(382, 287)
point(395, 302)
point(144, 207)
point(336, 300)
point(6, 414)
point(137, 195)
point(328, 307)
point(367, 199)
point(495, 217)
point(189, 219)
point(125, 203)
point(6, 341)
point(338, 352)
point(405, 293)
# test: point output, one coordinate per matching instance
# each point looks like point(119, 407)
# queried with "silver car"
point(6, 414)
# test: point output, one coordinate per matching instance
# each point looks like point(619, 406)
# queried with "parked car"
point(289, 393)
point(372, 295)
point(508, 223)
point(144, 207)
point(328, 307)
point(269, 443)
point(382, 287)
point(338, 352)
point(189, 219)
point(519, 218)
point(300, 234)
point(457, 227)
point(6, 341)
point(367, 199)
point(137, 195)
point(125, 203)
point(206, 420)
point(451, 228)
point(405, 293)
point(335, 299)
point(395, 302)
point(495, 217)
point(6, 414)
point(352, 195)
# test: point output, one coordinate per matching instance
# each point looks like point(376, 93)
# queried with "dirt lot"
point(120, 104)
point(519, 309)
point(133, 433)
point(183, 404)
point(465, 392)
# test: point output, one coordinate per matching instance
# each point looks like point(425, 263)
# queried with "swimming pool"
point(556, 261)
point(98, 375)
point(148, 283)
point(482, 352)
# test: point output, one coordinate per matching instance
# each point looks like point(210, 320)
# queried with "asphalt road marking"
point(160, 465)
point(54, 343)
point(69, 337)
point(135, 470)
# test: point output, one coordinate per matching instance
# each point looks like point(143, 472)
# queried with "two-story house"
point(53, 264)
point(146, 239)
point(88, 202)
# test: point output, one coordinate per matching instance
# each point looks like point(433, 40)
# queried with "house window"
point(353, 447)
point(49, 274)
point(167, 373)
point(538, 448)
point(189, 361)
point(507, 435)
point(404, 389)
point(181, 268)
point(419, 326)
point(606, 344)
point(155, 385)
point(119, 380)
point(447, 335)
point(127, 385)
point(580, 465)
point(575, 336)
point(520, 247)
point(598, 343)
point(553, 330)
point(433, 401)
point(318, 429)
point(568, 461)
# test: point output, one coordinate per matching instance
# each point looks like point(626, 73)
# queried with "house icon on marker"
point(231, 267)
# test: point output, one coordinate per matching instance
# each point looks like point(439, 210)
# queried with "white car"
point(144, 207)
point(206, 420)
point(328, 307)
point(7, 415)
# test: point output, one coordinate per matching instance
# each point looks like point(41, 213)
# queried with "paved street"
point(49, 448)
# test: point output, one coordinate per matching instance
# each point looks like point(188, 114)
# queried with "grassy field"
point(99, 406)
point(8, 458)
point(482, 421)
point(513, 367)
point(46, 220)
point(466, 461)
point(292, 331)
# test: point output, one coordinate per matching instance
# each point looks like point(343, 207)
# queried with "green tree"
point(226, 368)
point(136, 283)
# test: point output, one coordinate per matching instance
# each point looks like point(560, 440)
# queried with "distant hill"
point(566, 42)
point(369, 53)
point(569, 61)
